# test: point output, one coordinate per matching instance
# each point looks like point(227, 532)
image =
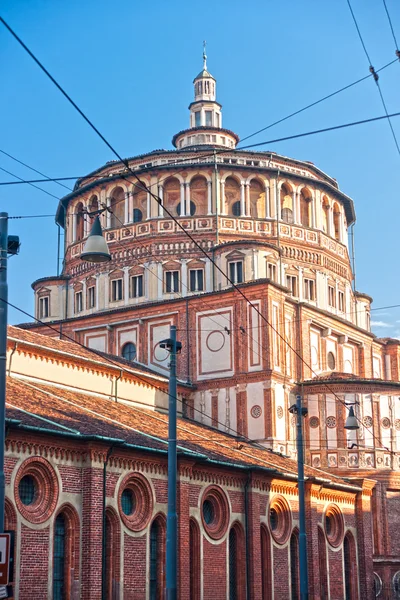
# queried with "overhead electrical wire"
point(375, 76)
point(180, 226)
point(29, 183)
point(35, 170)
point(392, 30)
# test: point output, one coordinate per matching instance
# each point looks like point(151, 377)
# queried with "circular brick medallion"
point(256, 411)
point(36, 489)
point(313, 422)
point(280, 519)
point(385, 422)
point(279, 412)
point(367, 421)
point(334, 526)
point(215, 512)
point(331, 422)
point(135, 501)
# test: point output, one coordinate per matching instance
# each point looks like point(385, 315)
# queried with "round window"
point(334, 526)
point(192, 209)
point(27, 490)
point(135, 500)
point(280, 519)
point(377, 585)
point(127, 501)
point(36, 490)
point(129, 351)
point(215, 512)
point(331, 361)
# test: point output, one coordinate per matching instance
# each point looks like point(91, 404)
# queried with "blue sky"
point(130, 67)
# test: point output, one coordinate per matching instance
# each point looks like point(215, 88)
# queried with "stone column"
point(183, 212)
point(267, 202)
point(160, 282)
point(242, 200)
point(208, 276)
point(209, 197)
point(296, 207)
point(187, 197)
point(184, 280)
point(331, 228)
point(247, 200)
point(126, 285)
point(74, 226)
point(301, 290)
point(148, 205)
point(222, 199)
point(161, 196)
point(126, 214)
point(107, 213)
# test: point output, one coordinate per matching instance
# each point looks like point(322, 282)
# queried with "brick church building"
point(277, 228)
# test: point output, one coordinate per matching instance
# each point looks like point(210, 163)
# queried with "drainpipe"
point(187, 342)
point(66, 305)
point(247, 542)
point(104, 536)
point(116, 386)
point(11, 355)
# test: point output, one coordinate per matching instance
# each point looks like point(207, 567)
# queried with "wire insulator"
point(398, 54)
point(373, 73)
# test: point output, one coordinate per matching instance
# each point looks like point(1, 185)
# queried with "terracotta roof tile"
point(55, 408)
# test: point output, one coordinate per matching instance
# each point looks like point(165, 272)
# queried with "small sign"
point(3, 591)
point(5, 539)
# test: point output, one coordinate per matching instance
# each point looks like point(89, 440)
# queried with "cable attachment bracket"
point(373, 73)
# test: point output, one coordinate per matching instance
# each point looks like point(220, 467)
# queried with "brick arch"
point(157, 535)
point(199, 193)
point(10, 515)
point(266, 563)
point(350, 567)
point(194, 559)
point(237, 561)
point(113, 553)
point(72, 547)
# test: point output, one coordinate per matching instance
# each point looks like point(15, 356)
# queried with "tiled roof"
point(57, 409)
point(74, 350)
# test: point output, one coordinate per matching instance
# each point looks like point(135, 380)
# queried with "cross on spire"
point(204, 56)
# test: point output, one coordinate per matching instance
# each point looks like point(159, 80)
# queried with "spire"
point(204, 56)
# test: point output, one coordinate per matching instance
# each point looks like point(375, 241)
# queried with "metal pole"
point(303, 568)
point(171, 553)
point(3, 352)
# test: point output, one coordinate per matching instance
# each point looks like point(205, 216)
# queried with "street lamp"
point(9, 244)
point(96, 249)
point(174, 348)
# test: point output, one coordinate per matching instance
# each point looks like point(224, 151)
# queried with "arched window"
point(305, 208)
point(129, 351)
point(350, 568)
point(286, 204)
point(199, 195)
point(113, 542)
point(323, 579)
point(65, 553)
point(294, 565)
point(117, 208)
point(194, 560)
point(10, 526)
point(93, 208)
point(266, 579)
point(237, 587)
point(236, 209)
point(80, 222)
point(137, 215)
point(157, 557)
point(59, 587)
point(396, 585)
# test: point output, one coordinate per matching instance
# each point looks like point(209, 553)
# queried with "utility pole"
point(301, 412)
point(8, 245)
point(173, 347)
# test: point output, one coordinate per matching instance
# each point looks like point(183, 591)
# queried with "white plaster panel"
point(315, 351)
point(254, 338)
point(97, 341)
point(280, 423)
point(215, 344)
point(255, 397)
point(331, 432)
point(376, 366)
point(158, 357)
point(313, 411)
point(366, 403)
point(126, 334)
point(348, 359)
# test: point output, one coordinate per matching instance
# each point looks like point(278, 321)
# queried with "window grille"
point(116, 290)
point(291, 282)
point(27, 490)
point(127, 501)
point(273, 519)
point(136, 286)
point(196, 280)
point(271, 271)
point(236, 271)
point(154, 536)
point(44, 307)
point(172, 281)
point(129, 351)
point(78, 302)
point(208, 512)
point(309, 289)
point(233, 571)
point(91, 297)
point(59, 559)
point(331, 296)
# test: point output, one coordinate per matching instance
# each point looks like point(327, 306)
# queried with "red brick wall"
point(214, 578)
point(34, 563)
point(135, 567)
